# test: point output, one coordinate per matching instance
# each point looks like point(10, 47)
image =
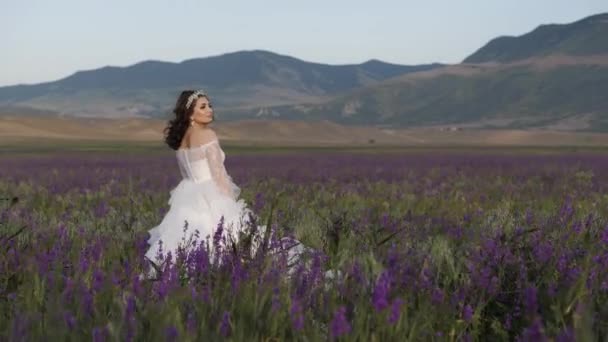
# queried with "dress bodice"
point(206, 162)
point(195, 163)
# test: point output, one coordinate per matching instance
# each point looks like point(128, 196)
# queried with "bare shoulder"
point(202, 136)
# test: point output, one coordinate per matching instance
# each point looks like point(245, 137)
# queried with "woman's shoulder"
point(202, 137)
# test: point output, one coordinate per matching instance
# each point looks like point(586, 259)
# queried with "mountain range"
point(555, 76)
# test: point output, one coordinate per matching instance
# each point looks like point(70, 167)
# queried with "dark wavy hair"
point(176, 127)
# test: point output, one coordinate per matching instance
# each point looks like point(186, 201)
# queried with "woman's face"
point(203, 111)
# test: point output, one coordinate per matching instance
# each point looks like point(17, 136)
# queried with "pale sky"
point(45, 40)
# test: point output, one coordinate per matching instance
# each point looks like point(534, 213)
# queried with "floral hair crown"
point(194, 96)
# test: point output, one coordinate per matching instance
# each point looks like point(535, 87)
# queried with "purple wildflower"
point(467, 313)
point(604, 237)
point(566, 335)
point(534, 333)
point(225, 324)
point(98, 278)
point(297, 317)
point(100, 334)
point(395, 311)
point(191, 322)
point(381, 292)
point(69, 319)
point(530, 299)
point(171, 333)
point(339, 325)
point(437, 296)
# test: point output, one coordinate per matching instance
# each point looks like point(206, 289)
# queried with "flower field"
point(437, 245)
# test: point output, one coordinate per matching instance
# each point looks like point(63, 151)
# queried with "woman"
point(206, 199)
point(206, 194)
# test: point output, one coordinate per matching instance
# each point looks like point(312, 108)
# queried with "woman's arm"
point(218, 170)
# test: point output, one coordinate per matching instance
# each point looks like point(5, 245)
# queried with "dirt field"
point(15, 130)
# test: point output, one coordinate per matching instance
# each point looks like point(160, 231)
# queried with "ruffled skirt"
point(194, 215)
point(195, 212)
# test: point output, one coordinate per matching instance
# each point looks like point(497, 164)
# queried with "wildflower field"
point(426, 245)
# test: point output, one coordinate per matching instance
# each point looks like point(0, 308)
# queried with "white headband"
point(193, 97)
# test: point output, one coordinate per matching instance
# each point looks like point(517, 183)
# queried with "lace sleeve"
point(215, 158)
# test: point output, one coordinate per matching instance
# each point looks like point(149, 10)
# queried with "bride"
point(206, 198)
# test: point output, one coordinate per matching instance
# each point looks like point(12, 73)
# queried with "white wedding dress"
point(205, 194)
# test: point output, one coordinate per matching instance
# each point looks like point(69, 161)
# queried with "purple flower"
point(494, 286)
point(508, 323)
point(98, 278)
point(566, 335)
point(136, 285)
point(543, 252)
point(100, 334)
point(69, 319)
point(130, 309)
point(205, 294)
point(276, 300)
point(297, 317)
point(171, 333)
point(381, 292)
point(577, 227)
point(259, 201)
point(96, 251)
point(225, 324)
point(395, 311)
point(141, 244)
point(339, 325)
point(484, 277)
point(357, 273)
point(437, 296)
point(562, 263)
point(83, 264)
point(162, 289)
point(315, 269)
point(467, 313)
point(238, 274)
point(130, 318)
point(301, 281)
point(534, 333)
point(529, 216)
point(87, 303)
point(530, 299)
point(604, 237)
point(191, 322)
point(217, 236)
point(392, 259)
point(102, 209)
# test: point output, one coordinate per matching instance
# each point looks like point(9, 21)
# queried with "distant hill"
point(234, 80)
point(588, 36)
point(541, 94)
point(554, 77)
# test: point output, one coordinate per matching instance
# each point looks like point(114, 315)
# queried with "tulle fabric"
point(196, 206)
